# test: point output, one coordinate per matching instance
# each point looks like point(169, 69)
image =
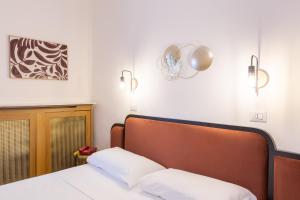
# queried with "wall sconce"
point(133, 80)
point(258, 78)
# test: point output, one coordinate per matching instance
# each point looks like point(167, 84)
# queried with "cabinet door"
point(17, 145)
point(66, 132)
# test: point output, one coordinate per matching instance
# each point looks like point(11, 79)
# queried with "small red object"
point(87, 150)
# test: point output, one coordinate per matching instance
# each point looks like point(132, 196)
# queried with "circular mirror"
point(172, 56)
point(171, 62)
point(201, 58)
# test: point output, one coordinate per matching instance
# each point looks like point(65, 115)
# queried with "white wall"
point(135, 33)
point(62, 21)
point(111, 52)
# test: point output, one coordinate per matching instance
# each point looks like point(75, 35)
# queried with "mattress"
point(79, 183)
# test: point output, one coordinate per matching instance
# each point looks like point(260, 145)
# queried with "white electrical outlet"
point(258, 117)
point(133, 108)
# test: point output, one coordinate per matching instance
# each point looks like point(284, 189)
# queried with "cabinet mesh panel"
point(67, 136)
point(14, 150)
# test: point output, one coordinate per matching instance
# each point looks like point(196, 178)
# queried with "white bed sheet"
point(79, 183)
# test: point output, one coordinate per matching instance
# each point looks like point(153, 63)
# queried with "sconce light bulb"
point(251, 76)
point(122, 82)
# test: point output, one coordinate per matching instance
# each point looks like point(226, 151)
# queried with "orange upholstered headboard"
point(239, 155)
point(117, 135)
point(287, 176)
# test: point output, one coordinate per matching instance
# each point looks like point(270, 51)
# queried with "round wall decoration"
point(185, 61)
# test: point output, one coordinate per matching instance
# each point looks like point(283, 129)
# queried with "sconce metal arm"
point(128, 71)
point(256, 58)
point(256, 71)
point(131, 77)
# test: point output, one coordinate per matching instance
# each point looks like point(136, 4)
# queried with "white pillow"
point(172, 184)
point(123, 165)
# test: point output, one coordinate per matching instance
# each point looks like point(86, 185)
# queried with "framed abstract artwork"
point(35, 59)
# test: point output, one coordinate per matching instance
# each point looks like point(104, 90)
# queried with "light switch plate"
point(133, 108)
point(258, 117)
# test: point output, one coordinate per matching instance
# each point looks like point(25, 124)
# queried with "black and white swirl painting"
point(35, 59)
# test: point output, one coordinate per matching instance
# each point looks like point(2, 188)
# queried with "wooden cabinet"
point(39, 140)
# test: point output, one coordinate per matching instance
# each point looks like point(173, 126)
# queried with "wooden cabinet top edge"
point(31, 107)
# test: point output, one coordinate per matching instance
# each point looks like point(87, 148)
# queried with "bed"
point(239, 155)
point(79, 183)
